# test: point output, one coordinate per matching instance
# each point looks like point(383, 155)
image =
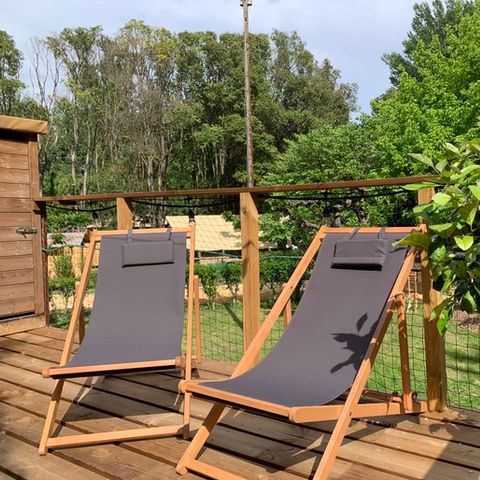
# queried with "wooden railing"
point(434, 342)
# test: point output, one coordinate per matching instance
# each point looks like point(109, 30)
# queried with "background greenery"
point(149, 109)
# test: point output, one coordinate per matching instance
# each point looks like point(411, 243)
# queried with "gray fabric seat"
point(319, 355)
point(138, 311)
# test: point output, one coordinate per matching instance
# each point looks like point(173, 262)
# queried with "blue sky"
point(353, 34)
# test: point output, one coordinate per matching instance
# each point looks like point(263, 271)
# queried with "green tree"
point(439, 102)
point(327, 153)
point(10, 63)
point(430, 23)
point(77, 50)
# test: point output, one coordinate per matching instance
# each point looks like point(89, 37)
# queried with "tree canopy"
point(150, 109)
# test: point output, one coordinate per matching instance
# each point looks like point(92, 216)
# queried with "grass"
point(222, 339)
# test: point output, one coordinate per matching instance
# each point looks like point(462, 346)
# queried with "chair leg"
point(334, 444)
point(200, 437)
point(51, 415)
point(186, 415)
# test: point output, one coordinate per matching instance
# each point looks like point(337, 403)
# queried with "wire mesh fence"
point(218, 265)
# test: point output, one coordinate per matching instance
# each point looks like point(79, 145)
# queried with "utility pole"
point(248, 102)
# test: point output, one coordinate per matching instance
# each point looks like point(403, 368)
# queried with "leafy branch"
point(453, 237)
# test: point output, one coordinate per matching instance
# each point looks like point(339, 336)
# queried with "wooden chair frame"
point(47, 442)
point(384, 404)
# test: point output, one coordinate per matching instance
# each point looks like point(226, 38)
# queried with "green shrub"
point(231, 273)
point(208, 275)
point(275, 270)
point(63, 286)
point(62, 265)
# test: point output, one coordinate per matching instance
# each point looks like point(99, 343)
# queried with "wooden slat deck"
point(430, 446)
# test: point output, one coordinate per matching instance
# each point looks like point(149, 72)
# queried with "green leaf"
point(464, 242)
point(441, 198)
point(475, 190)
point(452, 149)
point(413, 187)
point(439, 254)
point(468, 212)
point(437, 311)
point(440, 166)
point(416, 239)
point(422, 159)
point(419, 209)
point(444, 318)
point(475, 148)
point(442, 227)
point(468, 303)
point(468, 170)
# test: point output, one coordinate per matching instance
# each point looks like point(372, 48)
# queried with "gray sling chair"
point(136, 323)
point(329, 345)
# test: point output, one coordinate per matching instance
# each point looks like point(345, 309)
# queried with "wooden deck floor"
point(430, 446)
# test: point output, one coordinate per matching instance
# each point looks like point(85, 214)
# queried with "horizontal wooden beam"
point(27, 125)
point(369, 183)
point(117, 436)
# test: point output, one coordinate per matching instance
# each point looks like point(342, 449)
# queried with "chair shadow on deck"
point(120, 399)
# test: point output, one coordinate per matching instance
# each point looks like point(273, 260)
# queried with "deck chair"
point(136, 324)
point(328, 347)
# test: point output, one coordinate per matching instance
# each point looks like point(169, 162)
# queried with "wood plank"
point(245, 444)
point(19, 262)
point(22, 323)
point(15, 205)
point(19, 190)
point(38, 240)
point(22, 459)
point(14, 161)
point(381, 182)
point(8, 249)
point(15, 219)
point(108, 460)
point(406, 441)
point(167, 450)
point(250, 268)
point(8, 293)
point(20, 124)
point(124, 214)
point(457, 415)
point(9, 234)
point(300, 436)
point(435, 360)
point(14, 175)
point(10, 308)
point(16, 277)
point(5, 476)
point(14, 147)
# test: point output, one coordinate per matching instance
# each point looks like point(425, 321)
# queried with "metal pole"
point(248, 103)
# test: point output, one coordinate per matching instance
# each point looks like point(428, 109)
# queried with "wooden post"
point(250, 267)
point(124, 214)
point(42, 211)
point(434, 342)
point(403, 345)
